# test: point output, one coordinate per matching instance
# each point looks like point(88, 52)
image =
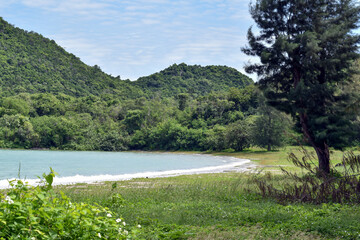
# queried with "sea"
point(90, 166)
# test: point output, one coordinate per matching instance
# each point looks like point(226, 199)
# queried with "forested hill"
point(31, 63)
point(192, 79)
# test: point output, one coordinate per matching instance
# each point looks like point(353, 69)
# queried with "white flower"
point(126, 232)
point(124, 223)
point(139, 226)
point(99, 235)
point(109, 215)
point(33, 238)
point(9, 200)
point(120, 229)
point(118, 220)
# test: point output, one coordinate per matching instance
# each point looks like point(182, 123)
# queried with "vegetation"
point(193, 80)
point(342, 186)
point(207, 206)
point(217, 206)
point(216, 122)
point(50, 99)
point(31, 63)
point(40, 213)
point(34, 64)
point(307, 49)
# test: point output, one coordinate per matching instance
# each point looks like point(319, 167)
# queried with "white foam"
point(238, 165)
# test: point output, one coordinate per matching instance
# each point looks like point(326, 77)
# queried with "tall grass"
point(341, 186)
point(218, 206)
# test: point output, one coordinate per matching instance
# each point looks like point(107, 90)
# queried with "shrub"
point(315, 186)
point(40, 213)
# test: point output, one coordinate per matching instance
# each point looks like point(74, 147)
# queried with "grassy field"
point(272, 160)
point(220, 206)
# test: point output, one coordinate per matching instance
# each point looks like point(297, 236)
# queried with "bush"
point(40, 213)
point(340, 186)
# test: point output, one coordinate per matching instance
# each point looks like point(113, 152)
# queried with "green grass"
point(273, 159)
point(217, 206)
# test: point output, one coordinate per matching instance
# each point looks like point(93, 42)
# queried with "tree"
point(237, 135)
point(182, 98)
point(269, 126)
point(306, 48)
point(17, 131)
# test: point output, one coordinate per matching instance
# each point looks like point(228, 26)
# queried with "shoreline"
point(238, 165)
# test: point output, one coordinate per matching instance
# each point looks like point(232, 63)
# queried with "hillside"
point(193, 79)
point(31, 63)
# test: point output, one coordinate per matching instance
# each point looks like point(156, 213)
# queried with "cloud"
point(90, 52)
point(87, 8)
point(150, 21)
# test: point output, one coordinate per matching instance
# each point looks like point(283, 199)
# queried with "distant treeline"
point(231, 120)
point(107, 123)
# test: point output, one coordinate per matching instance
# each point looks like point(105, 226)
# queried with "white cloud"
point(90, 52)
point(88, 8)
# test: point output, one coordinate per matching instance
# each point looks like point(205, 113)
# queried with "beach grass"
point(273, 160)
point(217, 206)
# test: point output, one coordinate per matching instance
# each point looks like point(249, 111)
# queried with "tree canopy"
point(306, 49)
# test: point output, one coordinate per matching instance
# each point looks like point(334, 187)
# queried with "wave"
point(239, 165)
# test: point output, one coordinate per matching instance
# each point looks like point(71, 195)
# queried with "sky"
point(134, 38)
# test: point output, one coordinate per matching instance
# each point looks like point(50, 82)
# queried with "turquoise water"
point(96, 166)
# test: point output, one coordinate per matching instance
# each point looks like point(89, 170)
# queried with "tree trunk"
point(323, 155)
point(269, 147)
point(322, 150)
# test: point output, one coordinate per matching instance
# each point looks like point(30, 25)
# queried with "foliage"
point(40, 213)
point(342, 186)
point(237, 135)
point(193, 80)
point(17, 131)
point(34, 64)
point(219, 206)
point(50, 99)
point(212, 122)
point(58, 102)
point(31, 63)
point(270, 127)
point(307, 49)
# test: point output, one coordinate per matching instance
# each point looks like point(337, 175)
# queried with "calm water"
point(75, 167)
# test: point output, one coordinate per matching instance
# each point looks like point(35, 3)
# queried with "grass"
point(272, 160)
point(217, 206)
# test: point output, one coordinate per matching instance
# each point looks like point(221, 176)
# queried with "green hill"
point(193, 79)
point(31, 63)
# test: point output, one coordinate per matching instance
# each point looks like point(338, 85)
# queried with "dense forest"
point(216, 121)
point(50, 99)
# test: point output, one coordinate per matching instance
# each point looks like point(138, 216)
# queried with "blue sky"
point(134, 38)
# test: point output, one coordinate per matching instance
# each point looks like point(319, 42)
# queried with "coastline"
point(236, 165)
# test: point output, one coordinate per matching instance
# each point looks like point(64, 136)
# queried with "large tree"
point(306, 49)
